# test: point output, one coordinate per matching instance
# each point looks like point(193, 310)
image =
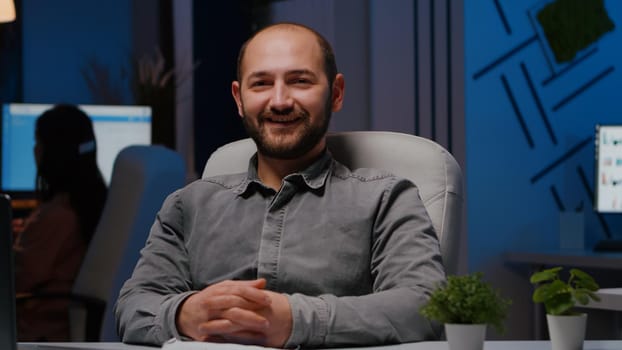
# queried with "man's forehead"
point(281, 41)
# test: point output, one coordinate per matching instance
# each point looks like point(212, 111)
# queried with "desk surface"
point(579, 258)
point(490, 345)
point(82, 346)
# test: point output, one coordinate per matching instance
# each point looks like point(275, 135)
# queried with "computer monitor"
point(608, 190)
point(115, 127)
point(608, 177)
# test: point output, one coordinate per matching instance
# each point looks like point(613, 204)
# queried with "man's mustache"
point(290, 112)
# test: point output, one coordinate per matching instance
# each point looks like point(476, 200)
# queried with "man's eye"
point(259, 83)
point(302, 81)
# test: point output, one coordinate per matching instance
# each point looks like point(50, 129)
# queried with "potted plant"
point(466, 305)
point(566, 326)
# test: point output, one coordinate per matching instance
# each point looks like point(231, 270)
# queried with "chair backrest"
point(427, 164)
point(142, 177)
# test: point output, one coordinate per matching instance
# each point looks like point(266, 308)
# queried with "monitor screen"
point(608, 167)
point(115, 127)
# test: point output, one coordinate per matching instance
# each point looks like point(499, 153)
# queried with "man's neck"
point(271, 171)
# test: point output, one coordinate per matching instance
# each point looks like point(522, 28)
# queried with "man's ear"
point(235, 91)
point(338, 91)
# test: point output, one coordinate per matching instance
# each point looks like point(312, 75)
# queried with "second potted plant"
point(466, 305)
point(566, 326)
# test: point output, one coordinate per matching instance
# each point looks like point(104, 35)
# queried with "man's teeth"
point(282, 120)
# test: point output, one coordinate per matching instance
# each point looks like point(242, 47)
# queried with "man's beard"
point(273, 146)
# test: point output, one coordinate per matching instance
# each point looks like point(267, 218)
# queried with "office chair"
point(427, 164)
point(142, 177)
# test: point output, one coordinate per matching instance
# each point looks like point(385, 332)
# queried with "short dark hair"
point(330, 63)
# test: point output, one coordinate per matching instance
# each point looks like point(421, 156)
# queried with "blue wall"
point(519, 176)
point(61, 36)
point(529, 128)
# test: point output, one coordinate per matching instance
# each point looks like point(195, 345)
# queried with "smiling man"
point(299, 250)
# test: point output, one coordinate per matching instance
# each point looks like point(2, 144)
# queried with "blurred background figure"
point(52, 241)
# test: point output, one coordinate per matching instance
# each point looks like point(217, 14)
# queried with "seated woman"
point(53, 240)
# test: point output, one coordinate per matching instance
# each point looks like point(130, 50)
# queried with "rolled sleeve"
point(310, 316)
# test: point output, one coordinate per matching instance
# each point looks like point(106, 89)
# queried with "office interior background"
point(477, 76)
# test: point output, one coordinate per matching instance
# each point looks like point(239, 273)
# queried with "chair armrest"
point(94, 309)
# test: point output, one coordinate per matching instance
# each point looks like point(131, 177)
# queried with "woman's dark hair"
point(67, 163)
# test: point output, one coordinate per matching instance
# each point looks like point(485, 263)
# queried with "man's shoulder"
point(361, 174)
point(209, 186)
point(227, 182)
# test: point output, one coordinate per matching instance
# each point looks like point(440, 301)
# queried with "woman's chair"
point(432, 168)
point(142, 177)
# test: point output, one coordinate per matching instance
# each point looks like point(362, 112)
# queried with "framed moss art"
point(573, 25)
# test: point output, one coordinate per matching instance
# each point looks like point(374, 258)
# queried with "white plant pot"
point(465, 336)
point(567, 332)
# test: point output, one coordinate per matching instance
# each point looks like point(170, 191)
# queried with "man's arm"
point(146, 308)
point(159, 301)
point(405, 266)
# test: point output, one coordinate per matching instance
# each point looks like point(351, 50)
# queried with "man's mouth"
point(284, 120)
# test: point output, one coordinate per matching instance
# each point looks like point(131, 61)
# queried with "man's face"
point(283, 96)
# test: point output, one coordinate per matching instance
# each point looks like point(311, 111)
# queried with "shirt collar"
point(313, 177)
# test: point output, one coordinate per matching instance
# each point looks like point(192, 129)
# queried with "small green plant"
point(467, 299)
point(560, 297)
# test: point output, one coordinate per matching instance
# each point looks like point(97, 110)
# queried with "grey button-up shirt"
point(354, 251)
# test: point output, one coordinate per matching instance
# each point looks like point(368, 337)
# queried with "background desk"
point(610, 299)
point(583, 259)
point(574, 258)
point(490, 345)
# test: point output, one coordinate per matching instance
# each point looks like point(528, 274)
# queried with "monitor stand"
point(609, 245)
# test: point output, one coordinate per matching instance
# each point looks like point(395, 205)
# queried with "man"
point(299, 251)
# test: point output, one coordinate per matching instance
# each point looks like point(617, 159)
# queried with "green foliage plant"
point(467, 299)
point(560, 297)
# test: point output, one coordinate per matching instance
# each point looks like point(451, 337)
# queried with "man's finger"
point(222, 302)
point(250, 290)
point(258, 283)
point(235, 320)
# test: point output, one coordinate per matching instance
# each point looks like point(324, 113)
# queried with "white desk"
point(517, 345)
point(525, 345)
point(490, 345)
point(82, 346)
point(610, 299)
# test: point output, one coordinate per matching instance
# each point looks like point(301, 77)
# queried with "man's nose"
point(281, 99)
